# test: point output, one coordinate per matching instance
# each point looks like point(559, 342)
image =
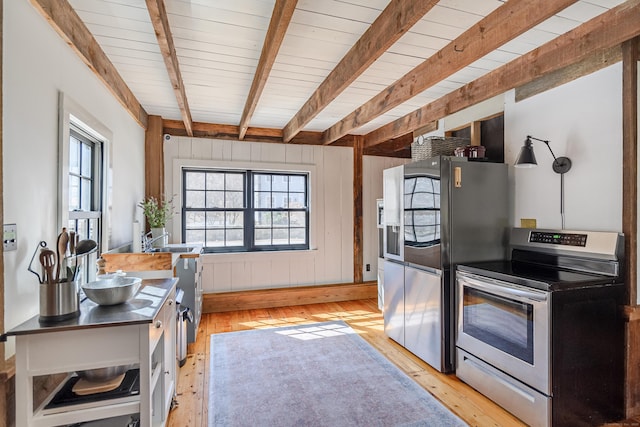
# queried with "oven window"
point(500, 322)
point(421, 211)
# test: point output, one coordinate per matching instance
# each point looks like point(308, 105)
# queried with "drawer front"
point(529, 405)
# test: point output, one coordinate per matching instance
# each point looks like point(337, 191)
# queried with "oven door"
point(507, 326)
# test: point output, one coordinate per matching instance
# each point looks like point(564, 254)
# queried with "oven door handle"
point(504, 289)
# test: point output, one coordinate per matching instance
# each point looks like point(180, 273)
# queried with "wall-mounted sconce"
point(561, 165)
point(527, 159)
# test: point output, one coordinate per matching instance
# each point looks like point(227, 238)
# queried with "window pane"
point(194, 220)
point(234, 200)
point(235, 238)
point(262, 200)
point(85, 195)
point(215, 199)
point(280, 200)
point(297, 200)
point(297, 183)
point(215, 181)
point(262, 183)
point(215, 237)
point(281, 219)
point(298, 219)
point(298, 236)
point(194, 199)
point(263, 237)
point(87, 163)
point(74, 156)
point(280, 183)
point(263, 219)
point(83, 229)
point(74, 193)
point(215, 220)
point(234, 182)
point(195, 180)
point(235, 219)
point(280, 236)
point(195, 236)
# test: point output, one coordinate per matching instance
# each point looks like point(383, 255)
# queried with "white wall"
point(583, 121)
point(37, 65)
point(330, 259)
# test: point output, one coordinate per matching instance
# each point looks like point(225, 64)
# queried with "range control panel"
point(565, 239)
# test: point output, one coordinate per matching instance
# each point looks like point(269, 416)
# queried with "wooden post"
point(630, 59)
point(4, 413)
point(358, 149)
point(154, 159)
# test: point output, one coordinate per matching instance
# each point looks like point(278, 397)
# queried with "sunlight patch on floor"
point(315, 332)
point(273, 323)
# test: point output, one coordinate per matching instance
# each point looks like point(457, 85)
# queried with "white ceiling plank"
point(218, 45)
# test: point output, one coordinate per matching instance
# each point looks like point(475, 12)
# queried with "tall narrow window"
point(84, 177)
point(85, 154)
point(230, 210)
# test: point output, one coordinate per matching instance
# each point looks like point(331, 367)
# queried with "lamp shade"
point(526, 158)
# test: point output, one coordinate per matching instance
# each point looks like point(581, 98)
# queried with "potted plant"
point(157, 214)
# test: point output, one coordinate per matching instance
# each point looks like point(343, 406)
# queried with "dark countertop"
point(143, 308)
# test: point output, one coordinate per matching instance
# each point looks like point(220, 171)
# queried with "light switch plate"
point(10, 237)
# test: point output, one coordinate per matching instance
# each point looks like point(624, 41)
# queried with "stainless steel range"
point(542, 334)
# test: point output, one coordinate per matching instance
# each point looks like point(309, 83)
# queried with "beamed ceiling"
point(330, 71)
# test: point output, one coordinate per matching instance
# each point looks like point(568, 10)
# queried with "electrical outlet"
point(368, 267)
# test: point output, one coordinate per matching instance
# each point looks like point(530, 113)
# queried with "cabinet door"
point(170, 353)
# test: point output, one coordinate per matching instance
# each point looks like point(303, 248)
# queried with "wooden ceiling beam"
point(70, 27)
point(158, 15)
point(280, 19)
point(571, 72)
point(399, 147)
point(254, 134)
point(503, 24)
point(603, 32)
point(394, 21)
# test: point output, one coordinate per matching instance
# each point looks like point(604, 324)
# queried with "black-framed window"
point(85, 165)
point(232, 210)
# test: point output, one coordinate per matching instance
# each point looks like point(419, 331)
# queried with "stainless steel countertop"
point(143, 308)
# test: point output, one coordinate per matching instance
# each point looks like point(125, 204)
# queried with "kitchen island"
point(181, 260)
point(139, 333)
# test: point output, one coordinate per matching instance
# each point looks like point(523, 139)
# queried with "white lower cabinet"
point(147, 345)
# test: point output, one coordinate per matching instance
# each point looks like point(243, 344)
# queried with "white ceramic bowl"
point(112, 291)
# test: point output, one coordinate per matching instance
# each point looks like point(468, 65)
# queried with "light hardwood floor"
point(364, 317)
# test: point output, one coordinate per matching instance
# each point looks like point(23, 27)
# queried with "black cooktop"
point(537, 276)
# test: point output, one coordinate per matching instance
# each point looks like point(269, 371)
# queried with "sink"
point(173, 249)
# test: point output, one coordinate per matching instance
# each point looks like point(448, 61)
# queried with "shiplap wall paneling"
point(330, 259)
point(333, 213)
point(345, 190)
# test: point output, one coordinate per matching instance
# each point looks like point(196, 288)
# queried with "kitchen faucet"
point(147, 241)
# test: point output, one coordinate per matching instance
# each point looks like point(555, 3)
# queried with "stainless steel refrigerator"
point(452, 210)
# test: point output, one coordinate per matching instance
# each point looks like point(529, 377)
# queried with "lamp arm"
point(560, 164)
point(547, 144)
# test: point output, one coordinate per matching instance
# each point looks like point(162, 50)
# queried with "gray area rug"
point(322, 374)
